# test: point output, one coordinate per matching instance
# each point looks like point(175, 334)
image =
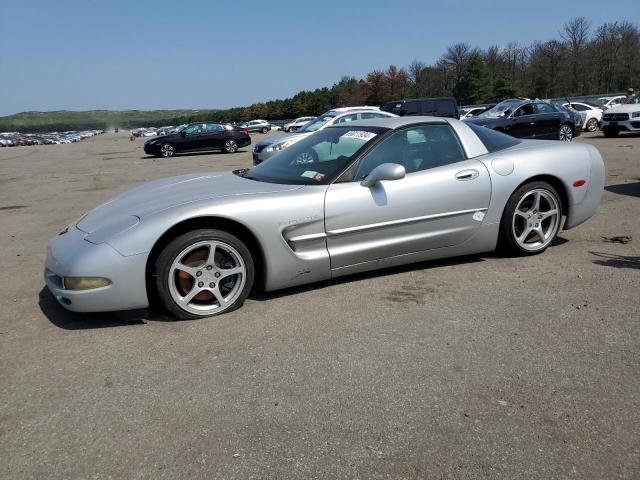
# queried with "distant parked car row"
point(16, 139)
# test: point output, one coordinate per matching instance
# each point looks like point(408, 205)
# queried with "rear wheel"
point(167, 150)
point(592, 125)
point(531, 219)
point(610, 132)
point(204, 273)
point(264, 130)
point(565, 133)
point(230, 146)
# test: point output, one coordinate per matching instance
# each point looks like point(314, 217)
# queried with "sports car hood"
point(171, 192)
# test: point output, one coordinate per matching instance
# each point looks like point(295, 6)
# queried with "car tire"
point(189, 282)
point(531, 219)
point(610, 132)
point(592, 125)
point(565, 133)
point(167, 150)
point(230, 146)
point(264, 130)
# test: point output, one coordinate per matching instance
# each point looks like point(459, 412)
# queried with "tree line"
point(583, 60)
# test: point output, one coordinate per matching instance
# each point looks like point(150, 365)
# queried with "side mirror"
point(386, 171)
point(183, 133)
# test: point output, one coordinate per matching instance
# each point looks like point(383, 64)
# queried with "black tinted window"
point(524, 110)
point(428, 107)
point(493, 140)
point(445, 107)
point(411, 108)
point(544, 108)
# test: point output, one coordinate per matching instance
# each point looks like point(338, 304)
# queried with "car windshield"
point(316, 124)
point(503, 108)
point(317, 159)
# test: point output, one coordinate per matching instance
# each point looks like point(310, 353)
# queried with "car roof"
point(393, 122)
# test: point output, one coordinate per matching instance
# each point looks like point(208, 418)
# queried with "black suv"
point(199, 137)
point(432, 106)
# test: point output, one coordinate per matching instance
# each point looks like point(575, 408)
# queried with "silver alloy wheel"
point(304, 157)
point(167, 150)
point(592, 125)
point(565, 134)
point(536, 220)
point(207, 277)
point(230, 146)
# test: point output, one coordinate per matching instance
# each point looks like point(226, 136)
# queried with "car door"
point(440, 202)
point(522, 123)
point(213, 138)
point(191, 137)
point(548, 121)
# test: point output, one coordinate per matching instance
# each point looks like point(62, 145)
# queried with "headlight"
point(635, 115)
point(110, 230)
point(276, 147)
point(85, 283)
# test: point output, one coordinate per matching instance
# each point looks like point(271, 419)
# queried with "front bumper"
point(153, 149)
point(630, 125)
point(70, 255)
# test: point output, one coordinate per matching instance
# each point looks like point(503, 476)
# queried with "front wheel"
point(167, 150)
point(592, 125)
point(204, 273)
point(531, 219)
point(230, 146)
point(565, 133)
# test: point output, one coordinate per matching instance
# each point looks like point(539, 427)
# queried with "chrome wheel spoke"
point(218, 296)
point(547, 214)
point(186, 300)
point(211, 255)
point(227, 272)
point(186, 269)
point(523, 236)
point(525, 215)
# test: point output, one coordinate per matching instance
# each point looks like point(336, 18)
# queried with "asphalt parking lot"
point(476, 367)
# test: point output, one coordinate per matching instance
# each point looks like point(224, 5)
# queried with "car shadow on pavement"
point(67, 320)
point(630, 189)
point(617, 261)
point(194, 154)
point(429, 264)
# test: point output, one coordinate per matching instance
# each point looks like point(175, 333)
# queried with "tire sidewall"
point(168, 255)
point(594, 122)
point(506, 238)
point(173, 152)
point(225, 145)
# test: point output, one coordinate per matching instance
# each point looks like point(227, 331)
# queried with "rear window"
point(491, 139)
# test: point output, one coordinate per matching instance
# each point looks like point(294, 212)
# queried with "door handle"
point(467, 175)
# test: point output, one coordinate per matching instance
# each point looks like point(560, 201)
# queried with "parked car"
point(609, 102)
point(266, 148)
point(296, 124)
point(591, 114)
point(261, 126)
point(469, 112)
point(531, 119)
point(380, 193)
point(625, 117)
point(198, 137)
point(431, 106)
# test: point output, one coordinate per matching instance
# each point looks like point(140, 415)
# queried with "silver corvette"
point(365, 195)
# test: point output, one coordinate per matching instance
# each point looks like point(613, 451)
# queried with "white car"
point(264, 149)
point(591, 114)
point(625, 117)
point(609, 102)
point(469, 112)
point(297, 123)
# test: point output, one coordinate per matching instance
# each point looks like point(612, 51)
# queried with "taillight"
point(244, 131)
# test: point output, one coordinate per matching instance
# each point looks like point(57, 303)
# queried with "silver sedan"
point(349, 198)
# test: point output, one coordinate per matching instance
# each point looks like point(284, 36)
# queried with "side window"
point(445, 107)
point(417, 148)
point(544, 108)
point(581, 108)
point(194, 129)
point(214, 128)
point(347, 118)
point(524, 110)
point(367, 115)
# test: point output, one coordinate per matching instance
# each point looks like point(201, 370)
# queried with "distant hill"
point(107, 119)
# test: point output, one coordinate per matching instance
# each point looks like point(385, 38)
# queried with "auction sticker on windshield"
point(317, 176)
point(361, 134)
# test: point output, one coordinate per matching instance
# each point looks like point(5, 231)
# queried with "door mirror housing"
point(386, 171)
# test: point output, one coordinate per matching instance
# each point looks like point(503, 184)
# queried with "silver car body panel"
point(315, 232)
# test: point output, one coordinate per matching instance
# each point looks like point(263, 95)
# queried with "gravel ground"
point(477, 367)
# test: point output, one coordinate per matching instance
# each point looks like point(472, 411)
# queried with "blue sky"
point(80, 55)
